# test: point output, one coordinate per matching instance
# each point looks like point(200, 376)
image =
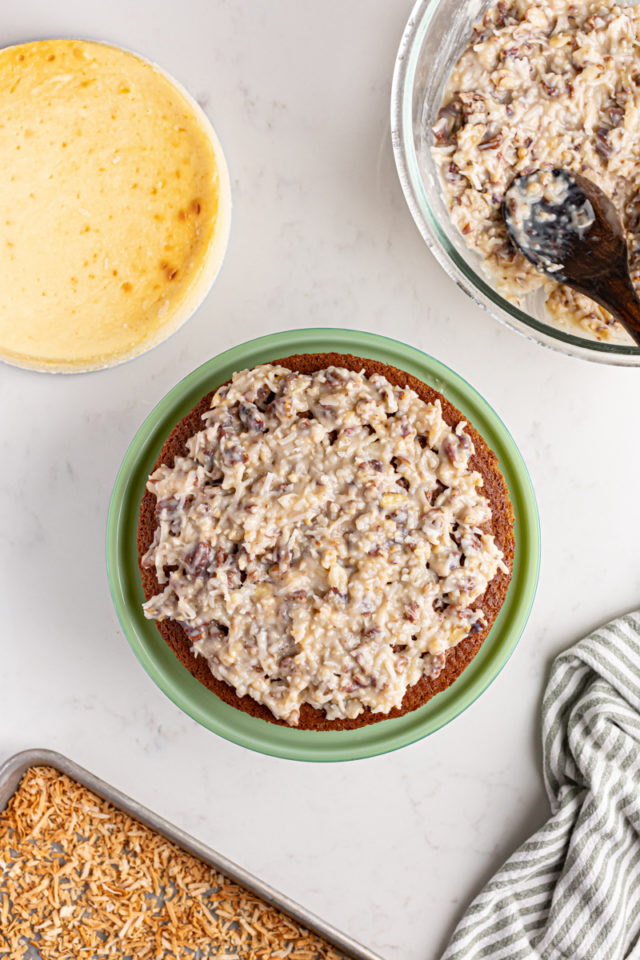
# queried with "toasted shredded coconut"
point(81, 879)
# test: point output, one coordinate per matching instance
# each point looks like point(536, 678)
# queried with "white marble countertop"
point(391, 849)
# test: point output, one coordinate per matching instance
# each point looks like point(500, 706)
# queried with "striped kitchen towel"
point(572, 892)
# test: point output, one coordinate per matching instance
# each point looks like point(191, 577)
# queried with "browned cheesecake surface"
point(396, 487)
point(114, 201)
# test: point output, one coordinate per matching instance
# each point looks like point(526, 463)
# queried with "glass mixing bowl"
point(435, 36)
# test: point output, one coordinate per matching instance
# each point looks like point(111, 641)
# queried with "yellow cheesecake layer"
point(114, 205)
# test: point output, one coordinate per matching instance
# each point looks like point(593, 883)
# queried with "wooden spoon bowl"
point(569, 229)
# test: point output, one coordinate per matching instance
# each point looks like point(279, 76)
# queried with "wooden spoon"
point(569, 229)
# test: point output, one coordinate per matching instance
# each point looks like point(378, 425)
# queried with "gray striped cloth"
point(572, 892)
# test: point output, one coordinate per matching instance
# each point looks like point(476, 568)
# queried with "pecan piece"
point(372, 465)
point(336, 595)
point(286, 665)
point(282, 557)
point(169, 503)
point(250, 417)
point(231, 455)
point(198, 559)
point(616, 116)
point(333, 377)
point(329, 411)
point(349, 684)
point(603, 147)
point(491, 144)
point(194, 632)
point(452, 174)
point(298, 595)
point(448, 123)
point(516, 53)
point(411, 611)
point(264, 396)
point(456, 448)
point(437, 664)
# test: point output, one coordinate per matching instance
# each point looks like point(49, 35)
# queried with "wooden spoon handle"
point(617, 294)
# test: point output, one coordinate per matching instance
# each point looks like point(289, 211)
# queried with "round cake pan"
point(205, 707)
point(156, 319)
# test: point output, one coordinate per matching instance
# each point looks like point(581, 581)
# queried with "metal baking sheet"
point(12, 771)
